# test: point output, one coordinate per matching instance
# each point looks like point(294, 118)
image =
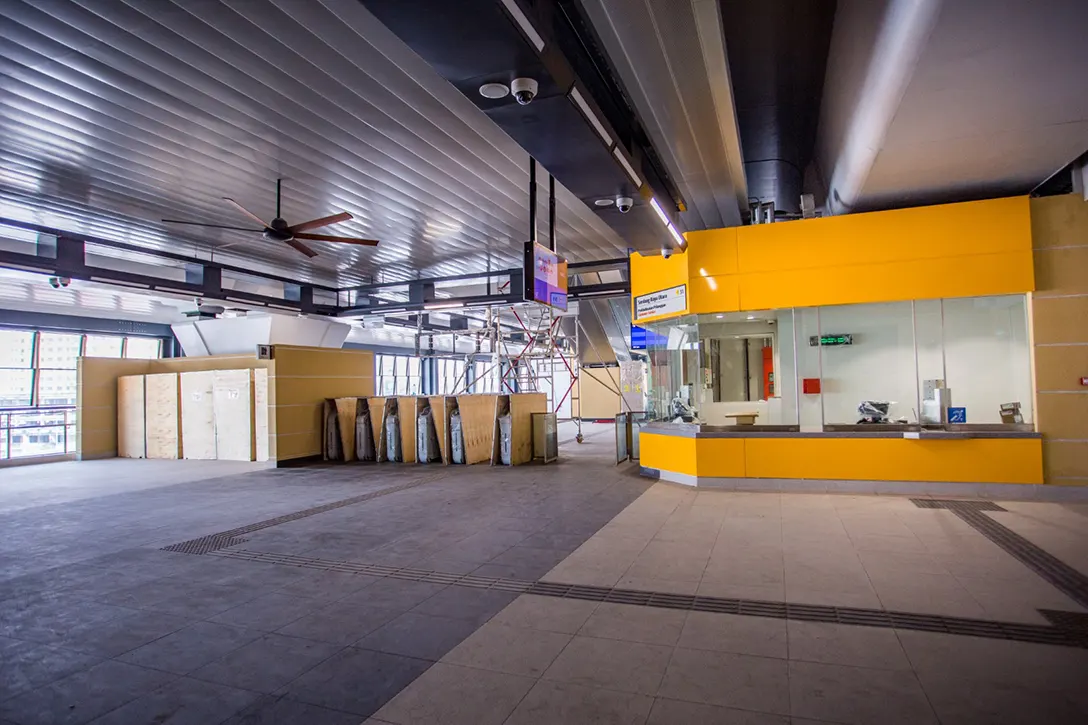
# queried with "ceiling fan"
point(290, 234)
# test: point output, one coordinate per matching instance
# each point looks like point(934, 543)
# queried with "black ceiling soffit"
point(474, 42)
point(777, 52)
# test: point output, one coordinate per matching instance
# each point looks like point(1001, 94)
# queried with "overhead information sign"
point(664, 302)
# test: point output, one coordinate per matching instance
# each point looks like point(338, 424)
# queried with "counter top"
point(695, 430)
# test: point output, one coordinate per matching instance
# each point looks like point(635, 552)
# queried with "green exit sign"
point(832, 340)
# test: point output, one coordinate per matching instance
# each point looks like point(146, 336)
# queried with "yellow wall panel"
point(653, 272)
point(668, 453)
point(720, 457)
point(210, 362)
point(714, 294)
point(291, 390)
point(323, 362)
point(712, 252)
point(896, 459)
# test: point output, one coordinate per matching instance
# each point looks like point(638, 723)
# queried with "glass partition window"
point(104, 346)
point(927, 362)
point(398, 375)
point(143, 348)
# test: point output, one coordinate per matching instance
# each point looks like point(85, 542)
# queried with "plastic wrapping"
point(333, 446)
point(506, 431)
point(364, 437)
point(392, 438)
point(457, 439)
point(427, 450)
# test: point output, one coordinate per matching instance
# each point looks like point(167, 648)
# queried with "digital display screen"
point(545, 277)
point(641, 338)
point(830, 340)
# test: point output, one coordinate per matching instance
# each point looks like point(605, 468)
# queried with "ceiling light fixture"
point(604, 202)
point(635, 178)
point(494, 91)
point(583, 106)
point(514, 9)
point(444, 306)
point(660, 211)
point(677, 236)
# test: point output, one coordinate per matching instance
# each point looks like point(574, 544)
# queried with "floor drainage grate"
point(223, 539)
point(1055, 571)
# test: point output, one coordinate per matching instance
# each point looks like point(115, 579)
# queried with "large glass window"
point(398, 375)
point(38, 385)
point(930, 362)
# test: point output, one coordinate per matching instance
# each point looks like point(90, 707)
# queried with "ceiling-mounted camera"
point(666, 252)
point(624, 204)
point(524, 90)
point(58, 282)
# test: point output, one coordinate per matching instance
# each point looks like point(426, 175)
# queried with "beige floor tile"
point(606, 575)
point(974, 702)
point(883, 562)
point(546, 613)
point(611, 664)
point(550, 703)
point(863, 597)
point(897, 544)
point(857, 696)
point(730, 680)
point(919, 599)
point(650, 625)
point(840, 644)
point(650, 584)
point(678, 712)
point(731, 633)
point(729, 590)
point(448, 694)
point(514, 650)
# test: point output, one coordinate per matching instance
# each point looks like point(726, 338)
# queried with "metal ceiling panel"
point(118, 114)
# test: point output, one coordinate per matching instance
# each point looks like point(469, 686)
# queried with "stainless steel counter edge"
point(691, 430)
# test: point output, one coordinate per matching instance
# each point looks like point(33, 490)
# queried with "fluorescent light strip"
point(677, 236)
point(444, 306)
point(660, 212)
point(514, 9)
point(627, 167)
point(580, 101)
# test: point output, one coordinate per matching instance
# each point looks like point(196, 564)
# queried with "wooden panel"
point(347, 409)
point(209, 362)
point(478, 426)
point(96, 404)
point(406, 411)
point(1060, 319)
point(1061, 271)
point(131, 434)
point(198, 416)
point(233, 399)
point(1058, 221)
point(261, 433)
point(1066, 459)
point(377, 425)
point(1060, 367)
point(522, 407)
point(440, 418)
point(596, 399)
point(1063, 415)
point(323, 362)
point(163, 415)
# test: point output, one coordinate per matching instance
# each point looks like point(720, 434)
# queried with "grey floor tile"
point(266, 664)
point(721, 678)
point(280, 710)
point(268, 612)
point(839, 644)
point(356, 680)
point(522, 562)
point(611, 664)
point(447, 694)
point(475, 605)
point(50, 621)
point(26, 665)
point(650, 625)
point(974, 702)
point(760, 636)
point(858, 696)
point(341, 622)
point(82, 696)
point(328, 585)
point(423, 636)
point(182, 702)
point(514, 650)
point(563, 702)
point(122, 634)
point(191, 647)
point(399, 594)
point(677, 712)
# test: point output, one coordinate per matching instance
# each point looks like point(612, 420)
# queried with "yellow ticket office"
point(887, 351)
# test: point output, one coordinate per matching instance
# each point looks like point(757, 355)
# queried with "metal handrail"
point(7, 427)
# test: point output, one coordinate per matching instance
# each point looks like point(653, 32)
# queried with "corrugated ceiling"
point(118, 114)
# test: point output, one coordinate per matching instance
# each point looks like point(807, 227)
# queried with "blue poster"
point(957, 415)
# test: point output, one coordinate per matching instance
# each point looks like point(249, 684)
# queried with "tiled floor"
point(98, 624)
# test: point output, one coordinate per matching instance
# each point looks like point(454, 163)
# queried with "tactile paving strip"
point(1055, 571)
point(1038, 634)
point(223, 539)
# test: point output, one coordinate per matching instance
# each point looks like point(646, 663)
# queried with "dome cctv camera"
point(624, 204)
point(524, 90)
point(666, 252)
point(58, 282)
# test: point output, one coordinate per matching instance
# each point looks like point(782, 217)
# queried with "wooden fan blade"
point(299, 246)
point(245, 211)
point(322, 222)
point(213, 226)
point(341, 240)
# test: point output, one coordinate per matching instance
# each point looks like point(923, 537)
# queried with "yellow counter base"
point(976, 460)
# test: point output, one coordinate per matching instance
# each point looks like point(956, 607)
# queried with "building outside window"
point(38, 387)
